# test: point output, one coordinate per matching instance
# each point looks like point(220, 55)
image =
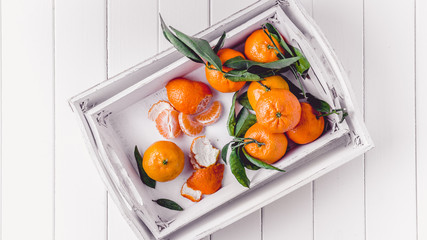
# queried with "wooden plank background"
point(53, 49)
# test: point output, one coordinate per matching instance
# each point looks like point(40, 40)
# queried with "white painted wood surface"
point(52, 50)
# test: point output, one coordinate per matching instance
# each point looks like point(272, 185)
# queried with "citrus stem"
point(241, 142)
point(165, 162)
point(296, 74)
point(267, 88)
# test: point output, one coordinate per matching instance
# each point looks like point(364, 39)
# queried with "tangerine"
point(256, 89)
point(216, 78)
point(309, 127)
point(157, 108)
point(189, 126)
point(187, 96)
point(167, 123)
point(259, 47)
point(163, 161)
point(278, 110)
point(274, 144)
point(211, 115)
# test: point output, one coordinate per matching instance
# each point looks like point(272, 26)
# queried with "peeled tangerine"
point(202, 153)
point(208, 176)
point(203, 181)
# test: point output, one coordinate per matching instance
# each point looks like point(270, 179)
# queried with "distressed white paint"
point(393, 181)
point(27, 120)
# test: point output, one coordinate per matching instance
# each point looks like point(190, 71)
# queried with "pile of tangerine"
point(279, 113)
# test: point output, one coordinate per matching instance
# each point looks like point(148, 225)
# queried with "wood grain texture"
point(390, 117)
point(290, 216)
point(248, 228)
point(188, 16)
point(221, 9)
point(27, 120)
point(132, 33)
point(80, 62)
point(421, 116)
point(338, 212)
point(118, 228)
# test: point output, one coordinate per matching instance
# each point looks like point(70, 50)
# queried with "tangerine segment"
point(211, 115)
point(259, 47)
point(309, 127)
point(203, 154)
point(216, 78)
point(163, 161)
point(188, 192)
point(274, 144)
point(189, 126)
point(207, 180)
point(157, 108)
point(256, 89)
point(187, 96)
point(167, 124)
point(278, 110)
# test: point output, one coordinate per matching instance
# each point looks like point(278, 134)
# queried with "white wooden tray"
point(114, 120)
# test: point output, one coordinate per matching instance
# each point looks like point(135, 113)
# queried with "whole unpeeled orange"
point(259, 47)
point(187, 96)
point(309, 128)
point(256, 89)
point(273, 144)
point(163, 161)
point(216, 78)
point(278, 110)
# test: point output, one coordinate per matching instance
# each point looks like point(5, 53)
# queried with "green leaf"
point(244, 101)
point(178, 44)
point(237, 169)
point(219, 44)
point(201, 47)
point(142, 174)
point(245, 161)
point(245, 120)
point(302, 65)
point(168, 204)
point(241, 76)
point(260, 163)
point(275, 33)
point(240, 63)
point(231, 121)
point(224, 152)
point(317, 104)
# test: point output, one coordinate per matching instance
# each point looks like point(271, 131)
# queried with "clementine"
point(273, 144)
point(278, 110)
point(309, 127)
point(256, 89)
point(259, 47)
point(216, 78)
point(163, 161)
point(187, 96)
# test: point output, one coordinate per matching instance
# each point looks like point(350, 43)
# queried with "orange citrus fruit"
point(256, 89)
point(274, 144)
point(189, 126)
point(202, 153)
point(278, 110)
point(207, 180)
point(259, 47)
point(216, 79)
point(188, 96)
point(157, 108)
point(163, 161)
point(309, 127)
point(211, 115)
point(167, 123)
